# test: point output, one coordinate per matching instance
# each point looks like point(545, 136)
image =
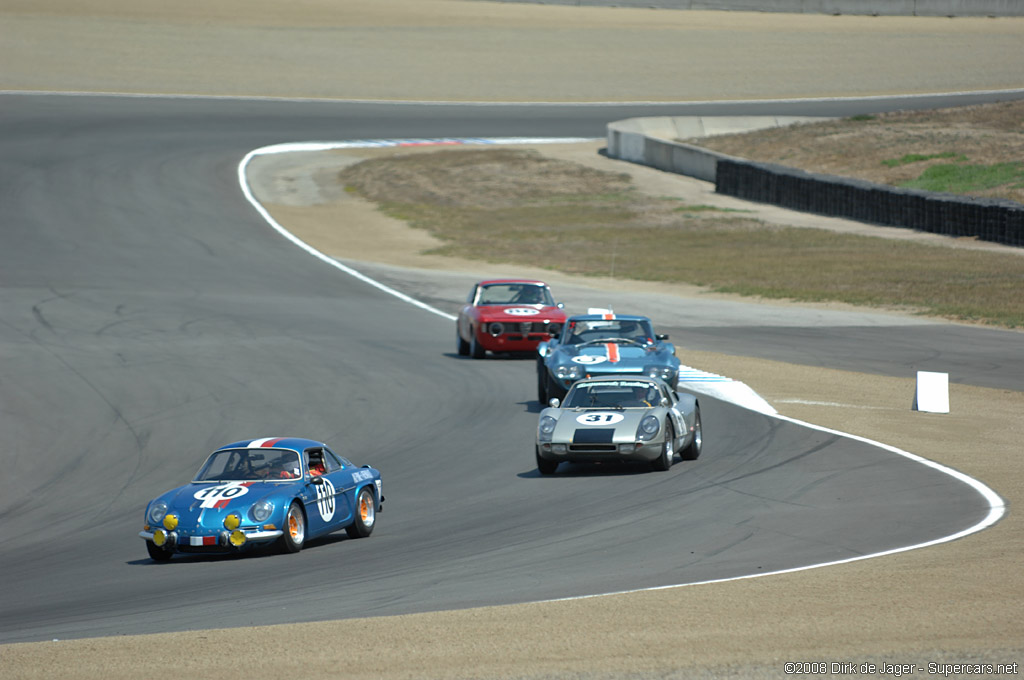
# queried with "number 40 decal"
point(599, 418)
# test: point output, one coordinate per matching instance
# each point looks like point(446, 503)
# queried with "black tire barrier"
point(989, 219)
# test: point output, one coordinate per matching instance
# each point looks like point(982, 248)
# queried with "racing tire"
point(158, 553)
point(476, 349)
point(692, 452)
point(554, 390)
point(545, 467)
point(366, 515)
point(663, 463)
point(294, 529)
point(461, 346)
point(542, 385)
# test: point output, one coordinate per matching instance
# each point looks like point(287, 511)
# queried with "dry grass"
point(516, 206)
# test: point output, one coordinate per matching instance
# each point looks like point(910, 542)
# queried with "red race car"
point(507, 315)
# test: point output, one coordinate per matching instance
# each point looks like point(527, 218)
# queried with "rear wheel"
point(461, 345)
point(294, 529)
point(692, 452)
point(664, 461)
point(366, 515)
point(158, 553)
point(546, 467)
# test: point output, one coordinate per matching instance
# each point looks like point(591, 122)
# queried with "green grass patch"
point(960, 179)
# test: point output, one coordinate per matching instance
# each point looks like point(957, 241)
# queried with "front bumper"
point(220, 541)
point(645, 452)
point(512, 342)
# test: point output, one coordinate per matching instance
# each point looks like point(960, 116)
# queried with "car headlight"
point(261, 510)
point(156, 512)
point(569, 372)
point(648, 428)
point(495, 328)
point(546, 428)
point(555, 329)
point(666, 373)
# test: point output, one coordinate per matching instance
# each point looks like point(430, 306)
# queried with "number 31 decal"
point(599, 418)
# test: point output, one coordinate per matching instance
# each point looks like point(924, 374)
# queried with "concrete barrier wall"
point(651, 141)
point(924, 8)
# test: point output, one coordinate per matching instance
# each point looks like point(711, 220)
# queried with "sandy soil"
point(961, 601)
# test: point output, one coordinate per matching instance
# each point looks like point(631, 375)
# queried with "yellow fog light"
point(171, 522)
point(270, 527)
point(237, 538)
point(232, 522)
point(159, 537)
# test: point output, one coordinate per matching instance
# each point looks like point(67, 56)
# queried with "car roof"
point(531, 281)
point(296, 444)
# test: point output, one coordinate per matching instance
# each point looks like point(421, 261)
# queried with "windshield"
point(597, 330)
point(515, 294)
point(613, 394)
point(250, 464)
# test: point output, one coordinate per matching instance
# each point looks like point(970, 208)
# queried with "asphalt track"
point(150, 314)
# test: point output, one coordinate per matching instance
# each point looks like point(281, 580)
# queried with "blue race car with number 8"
point(262, 491)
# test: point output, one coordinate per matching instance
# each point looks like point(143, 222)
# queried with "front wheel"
point(542, 385)
point(475, 348)
point(546, 467)
point(158, 553)
point(461, 346)
point(554, 390)
point(366, 515)
point(294, 529)
point(692, 452)
point(664, 461)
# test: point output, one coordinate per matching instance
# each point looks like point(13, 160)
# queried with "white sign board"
point(932, 394)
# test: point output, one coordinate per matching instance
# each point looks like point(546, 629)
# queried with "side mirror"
point(662, 336)
point(554, 402)
point(560, 305)
point(316, 480)
point(664, 401)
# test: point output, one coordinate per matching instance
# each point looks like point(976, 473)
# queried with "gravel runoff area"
point(959, 602)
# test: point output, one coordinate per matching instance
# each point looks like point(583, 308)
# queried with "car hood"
point(519, 313)
point(208, 504)
point(613, 356)
point(610, 425)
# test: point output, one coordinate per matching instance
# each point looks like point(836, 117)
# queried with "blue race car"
point(260, 491)
point(603, 343)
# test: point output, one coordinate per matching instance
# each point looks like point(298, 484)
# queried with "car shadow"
point(576, 470)
point(504, 356)
point(261, 552)
point(531, 406)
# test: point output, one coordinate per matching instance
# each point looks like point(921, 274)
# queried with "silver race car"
point(619, 418)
